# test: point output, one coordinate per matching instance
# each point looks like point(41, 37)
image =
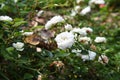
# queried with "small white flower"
point(85, 57)
point(85, 10)
point(100, 39)
point(48, 24)
point(91, 2)
point(76, 51)
point(18, 46)
point(2, 5)
point(96, 2)
point(85, 40)
point(79, 1)
point(15, 1)
point(40, 13)
point(79, 31)
point(19, 56)
point(54, 20)
point(99, 2)
point(57, 19)
point(38, 49)
point(27, 33)
point(77, 9)
point(68, 27)
point(65, 40)
point(73, 13)
point(39, 77)
point(103, 59)
point(91, 56)
point(87, 29)
point(5, 18)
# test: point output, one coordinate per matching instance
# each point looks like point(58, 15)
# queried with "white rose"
point(15, 1)
point(73, 13)
point(91, 2)
point(91, 56)
point(54, 20)
point(96, 2)
point(99, 2)
point(5, 18)
point(85, 10)
point(77, 9)
point(76, 51)
point(65, 40)
point(40, 13)
point(48, 24)
point(79, 1)
point(68, 27)
point(85, 40)
point(79, 31)
point(87, 29)
point(27, 33)
point(18, 46)
point(103, 59)
point(100, 39)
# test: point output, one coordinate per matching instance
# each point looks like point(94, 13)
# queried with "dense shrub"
point(59, 40)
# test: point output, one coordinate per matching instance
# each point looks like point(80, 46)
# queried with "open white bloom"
point(15, 1)
point(73, 13)
point(18, 46)
point(87, 29)
point(100, 39)
point(91, 2)
point(91, 56)
point(85, 40)
point(76, 51)
point(2, 5)
point(57, 19)
point(79, 31)
point(48, 24)
point(27, 33)
point(39, 77)
point(5, 18)
point(54, 20)
point(38, 49)
point(99, 2)
point(77, 9)
point(40, 13)
point(96, 2)
point(65, 40)
point(68, 27)
point(103, 59)
point(79, 1)
point(85, 10)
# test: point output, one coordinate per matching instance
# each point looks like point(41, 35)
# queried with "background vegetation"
point(29, 64)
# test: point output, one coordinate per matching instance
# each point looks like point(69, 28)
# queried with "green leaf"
point(19, 23)
point(10, 49)
point(37, 27)
point(47, 53)
point(4, 77)
point(61, 53)
point(5, 54)
point(18, 19)
point(28, 76)
point(1, 36)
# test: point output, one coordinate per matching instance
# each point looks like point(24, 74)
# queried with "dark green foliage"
point(28, 64)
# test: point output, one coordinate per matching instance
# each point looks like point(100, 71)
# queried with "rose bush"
point(59, 40)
